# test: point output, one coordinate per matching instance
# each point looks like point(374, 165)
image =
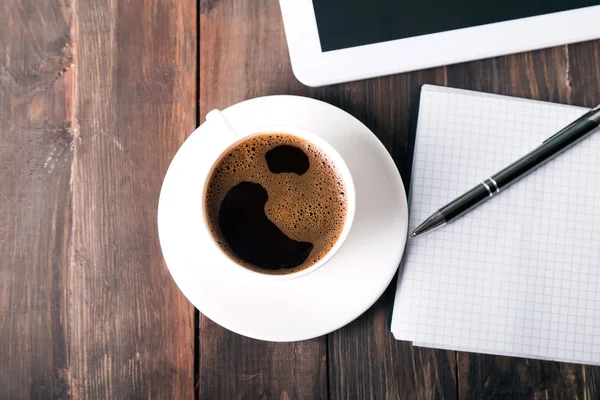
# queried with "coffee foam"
point(310, 207)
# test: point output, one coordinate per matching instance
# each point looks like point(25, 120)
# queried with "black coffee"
point(276, 203)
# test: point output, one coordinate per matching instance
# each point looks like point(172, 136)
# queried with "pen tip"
point(412, 235)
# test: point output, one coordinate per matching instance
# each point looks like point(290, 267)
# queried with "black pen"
point(550, 148)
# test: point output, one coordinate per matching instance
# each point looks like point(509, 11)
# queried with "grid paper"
point(520, 275)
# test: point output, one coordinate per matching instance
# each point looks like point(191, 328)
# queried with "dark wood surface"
point(36, 139)
point(95, 98)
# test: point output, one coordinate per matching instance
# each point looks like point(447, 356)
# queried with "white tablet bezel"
point(316, 68)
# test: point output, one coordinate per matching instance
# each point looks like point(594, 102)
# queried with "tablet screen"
point(349, 23)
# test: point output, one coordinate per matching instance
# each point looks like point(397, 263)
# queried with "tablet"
point(333, 41)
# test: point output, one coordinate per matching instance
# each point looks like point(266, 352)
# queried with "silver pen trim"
point(488, 189)
point(495, 184)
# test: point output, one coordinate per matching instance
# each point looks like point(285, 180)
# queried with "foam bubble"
point(297, 203)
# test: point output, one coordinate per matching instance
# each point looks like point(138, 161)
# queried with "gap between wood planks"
point(568, 81)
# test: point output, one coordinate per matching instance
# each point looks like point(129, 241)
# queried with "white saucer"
point(312, 305)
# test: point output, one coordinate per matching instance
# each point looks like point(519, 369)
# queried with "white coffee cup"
point(229, 138)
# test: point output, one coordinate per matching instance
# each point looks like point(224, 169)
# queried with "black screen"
point(349, 23)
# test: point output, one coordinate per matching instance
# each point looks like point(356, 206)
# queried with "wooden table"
point(96, 96)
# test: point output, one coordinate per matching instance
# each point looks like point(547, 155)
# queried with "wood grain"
point(542, 75)
point(36, 138)
point(131, 331)
point(584, 73)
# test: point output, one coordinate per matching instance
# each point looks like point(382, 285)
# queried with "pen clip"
point(578, 120)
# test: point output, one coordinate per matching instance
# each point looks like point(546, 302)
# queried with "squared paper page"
point(520, 274)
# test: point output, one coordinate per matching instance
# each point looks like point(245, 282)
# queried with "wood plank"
point(542, 75)
point(131, 330)
point(243, 54)
point(36, 137)
point(584, 73)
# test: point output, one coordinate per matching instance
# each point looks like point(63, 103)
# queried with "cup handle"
point(216, 118)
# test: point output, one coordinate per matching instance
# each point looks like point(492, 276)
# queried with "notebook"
point(520, 275)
